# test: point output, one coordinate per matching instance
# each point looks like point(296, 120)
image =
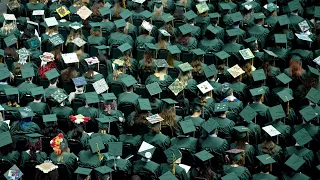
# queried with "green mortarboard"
point(276, 112)
point(241, 131)
point(214, 15)
point(105, 11)
point(308, 113)
point(258, 75)
point(259, 15)
point(230, 176)
point(285, 79)
point(95, 26)
point(79, 81)
point(37, 91)
point(101, 47)
point(174, 49)
point(233, 32)
point(146, 14)
point(33, 137)
point(115, 148)
point(257, 91)
point(280, 38)
point(92, 97)
point(49, 118)
point(56, 39)
point(51, 21)
point(109, 96)
point(248, 113)
point(189, 15)
point(313, 95)
point(168, 176)
point(317, 11)
point(59, 96)
point(285, 96)
point(314, 70)
point(169, 102)
point(251, 40)
point(96, 144)
point(33, 43)
point(167, 17)
point(153, 88)
point(187, 126)
point(120, 23)
point(210, 125)
point(294, 5)
point(172, 154)
point(26, 112)
point(266, 159)
point(213, 29)
point(271, 7)
point(11, 91)
point(10, 40)
point(204, 155)
point(222, 55)
point(53, 73)
point(185, 67)
point(83, 171)
point(103, 170)
point(161, 63)
point(125, 14)
point(27, 72)
point(198, 52)
point(235, 154)
point(124, 47)
point(4, 73)
point(129, 81)
point(300, 176)
point(150, 46)
point(146, 150)
point(225, 6)
point(210, 71)
point(302, 137)
point(103, 122)
point(283, 20)
point(185, 29)
point(5, 138)
point(236, 17)
point(202, 7)
point(295, 162)
point(144, 104)
point(221, 107)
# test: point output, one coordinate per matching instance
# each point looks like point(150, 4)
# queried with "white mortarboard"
point(146, 25)
point(304, 37)
point(205, 87)
point(139, 1)
point(235, 71)
point(84, 12)
point(304, 26)
point(92, 60)
point(38, 12)
point(14, 173)
point(317, 60)
point(146, 150)
point(51, 21)
point(164, 32)
point(271, 130)
point(9, 17)
point(79, 42)
point(100, 86)
point(70, 58)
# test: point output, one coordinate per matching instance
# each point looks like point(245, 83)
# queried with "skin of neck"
point(196, 114)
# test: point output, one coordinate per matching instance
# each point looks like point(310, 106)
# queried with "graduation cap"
point(276, 112)
point(271, 7)
point(124, 47)
point(174, 49)
point(213, 29)
point(27, 72)
point(246, 54)
point(222, 55)
point(83, 171)
point(120, 23)
point(172, 154)
point(144, 104)
point(285, 79)
point(257, 91)
point(251, 40)
point(79, 42)
point(11, 91)
point(92, 97)
point(33, 137)
point(161, 63)
point(317, 11)
point(153, 88)
point(59, 96)
point(150, 47)
point(225, 6)
point(248, 113)
point(146, 14)
point(294, 5)
point(139, 1)
point(147, 26)
point(313, 95)
point(308, 113)
point(75, 25)
point(126, 14)
point(101, 48)
point(283, 20)
point(210, 125)
point(235, 154)
point(14, 173)
point(258, 75)
point(96, 144)
point(271, 131)
point(204, 155)
point(84, 12)
point(105, 10)
point(210, 70)
point(164, 33)
point(259, 15)
point(177, 86)
point(146, 150)
point(62, 11)
point(9, 17)
point(49, 119)
point(51, 21)
point(189, 15)
point(266, 159)
point(235, 71)
point(33, 43)
point(129, 81)
point(155, 119)
point(5, 138)
point(295, 162)
point(102, 171)
point(4, 73)
point(70, 58)
point(186, 29)
point(115, 148)
point(185, 67)
point(10, 40)
point(198, 51)
point(79, 81)
point(236, 17)
point(230, 176)
point(300, 176)
point(214, 15)
point(100, 86)
point(280, 38)
point(108, 96)
point(202, 7)
point(187, 126)
point(37, 91)
point(241, 131)
point(169, 101)
point(234, 32)
point(302, 137)
point(221, 107)
point(26, 112)
point(168, 176)
point(167, 17)
point(285, 96)
point(56, 39)
point(205, 87)
point(53, 73)
point(104, 122)
point(95, 26)
point(314, 70)
point(38, 12)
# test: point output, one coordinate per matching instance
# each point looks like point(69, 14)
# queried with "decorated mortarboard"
point(129, 81)
point(304, 26)
point(146, 14)
point(204, 155)
point(23, 55)
point(56, 39)
point(198, 51)
point(146, 150)
point(39, 12)
point(202, 7)
point(91, 60)
point(189, 15)
point(271, 130)
point(115, 148)
point(214, 15)
point(185, 67)
point(46, 167)
point(100, 86)
point(37, 91)
point(164, 32)
point(295, 162)
point(147, 26)
point(186, 29)
point(302, 137)
point(120, 23)
point(236, 17)
point(154, 119)
point(84, 12)
point(187, 126)
point(62, 11)
point(144, 104)
point(83, 171)
point(221, 107)
point(313, 95)
point(176, 87)
point(294, 5)
point(258, 75)
point(53, 73)
point(285, 96)
point(124, 47)
point(210, 71)
point(168, 176)
point(230, 176)
point(96, 144)
point(167, 17)
point(5, 138)
point(75, 25)
point(248, 114)
point(79, 81)
point(27, 72)
point(153, 88)
point(51, 21)
point(92, 97)
point(47, 57)
point(33, 43)
point(241, 131)
point(26, 112)
point(11, 91)
point(161, 63)
point(59, 96)
point(246, 54)
point(280, 38)
point(4, 73)
point(49, 118)
point(259, 15)
point(271, 7)
point(139, 1)
point(265, 159)
point(235, 71)
point(10, 40)
point(304, 37)
point(174, 49)
point(14, 173)
point(79, 42)
point(172, 154)
point(210, 125)
point(285, 79)
point(276, 112)
point(205, 87)
point(70, 58)
point(308, 113)
point(9, 17)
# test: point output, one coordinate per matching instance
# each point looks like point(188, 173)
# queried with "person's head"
point(59, 144)
point(295, 66)
point(95, 32)
point(95, 8)
point(53, 81)
point(80, 89)
point(52, 30)
point(11, 52)
point(196, 64)
point(169, 116)
point(209, 35)
point(185, 76)
point(238, 159)
point(157, 12)
point(38, 97)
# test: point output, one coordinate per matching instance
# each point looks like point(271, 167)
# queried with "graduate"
point(6, 149)
point(160, 76)
point(38, 107)
point(28, 75)
point(92, 158)
point(128, 96)
point(237, 162)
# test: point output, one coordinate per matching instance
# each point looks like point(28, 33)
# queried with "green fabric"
point(189, 143)
point(121, 164)
point(128, 97)
point(40, 157)
point(214, 144)
point(130, 139)
point(140, 166)
point(12, 157)
point(25, 87)
point(180, 173)
point(62, 111)
point(158, 140)
point(39, 108)
point(88, 159)
point(29, 127)
point(92, 112)
point(214, 45)
point(105, 137)
point(162, 83)
point(142, 39)
point(264, 176)
point(241, 172)
point(69, 159)
point(120, 38)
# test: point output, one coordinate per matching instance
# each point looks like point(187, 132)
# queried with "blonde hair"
point(184, 2)
point(169, 117)
point(157, 12)
point(60, 156)
point(8, 28)
point(96, 33)
point(126, 28)
point(268, 147)
point(117, 72)
point(184, 77)
point(73, 35)
point(162, 44)
point(51, 30)
point(170, 60)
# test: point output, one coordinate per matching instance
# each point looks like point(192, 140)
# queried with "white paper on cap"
point(9, 17)
point(303, 37)
point(185, 167)
point(70, 58)
point(271, 130)
point(145, 146)
point(205, 87)
point(38, 12)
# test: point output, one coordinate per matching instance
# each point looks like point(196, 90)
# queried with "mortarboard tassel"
point(252, 61)
point(270, 167)
point(124, 5)
point(99, 154)
point(173, 164)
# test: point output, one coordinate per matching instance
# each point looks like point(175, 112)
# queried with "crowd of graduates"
point(160, 89)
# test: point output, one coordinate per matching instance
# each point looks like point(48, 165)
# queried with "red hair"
point(295, 68)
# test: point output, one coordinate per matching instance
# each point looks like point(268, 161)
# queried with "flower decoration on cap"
point(58, 143)
point(78, 119)
point(47, 57)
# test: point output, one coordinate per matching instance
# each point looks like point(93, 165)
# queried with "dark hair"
point(38, 97)
point(11, 52)
point(53, 80)
point(183, 39)
point(34, 147)
point(147, 62)
point(206, 171)
point(51, 131)
point(209, 35)
point(52, 175)
point(69, 73)
point(309, 81)
point(5, 150)
point(77, 133)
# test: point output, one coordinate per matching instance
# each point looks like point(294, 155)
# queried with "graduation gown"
point(197, 121)
point(302, 152)
point(105, 137)
point(214, 144)
point(259, 176)
point(241, 90)
point(250, 154)
point(180, 173)
point(39, 108)
point(225, 127)
point(88, 159)
point(89, 111)
point(3, 127)
point(69, 160)
point(131, 139)
point(158, 140)
point(121, 164)
point(192, 44)
point(84, 139)
point(142, 39)
point(189, 143)
point(12, 157)
point(213, 45)
point(260, 33)
point(25, 128)
point(261, 109)
point(162, 83)
point(140, 167)
point(25, 88)
point(40, 157)
point(241, 172)
point(128, 97)
point(62, 111)
point(98, 40)
point(118, 38)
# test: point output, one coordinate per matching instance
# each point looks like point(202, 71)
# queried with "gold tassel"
point(17, 45)
point(252, 61)
point(288, 108)
point(262, 98)
point(124, 5)
point(99, 154)
point(103, 131)
point(210, 94)
point(270, 167)
point(173, 164)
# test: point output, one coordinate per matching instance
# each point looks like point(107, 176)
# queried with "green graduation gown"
point(118, 38)
point(3, 127)
point(131, 139)
point(162, 83)
point(213, 45)
point(62, 111)
point(189, 143)
point(68, 159)
point(105, 137)
point(214, 144)
point(40, 157)
point(39, 108)
point(84, 138)
point(128, 97)
point(25, 87)
point(180, 173)
point(158, 140)
point(88, 159)
point(13, 157)
point(241, 172)
point(250, 154)
point(92, 112)
point(192, 44)
point(225, 127)
point(140, 166)
point(260, 176)
point(261, 109)
point(142, 39)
